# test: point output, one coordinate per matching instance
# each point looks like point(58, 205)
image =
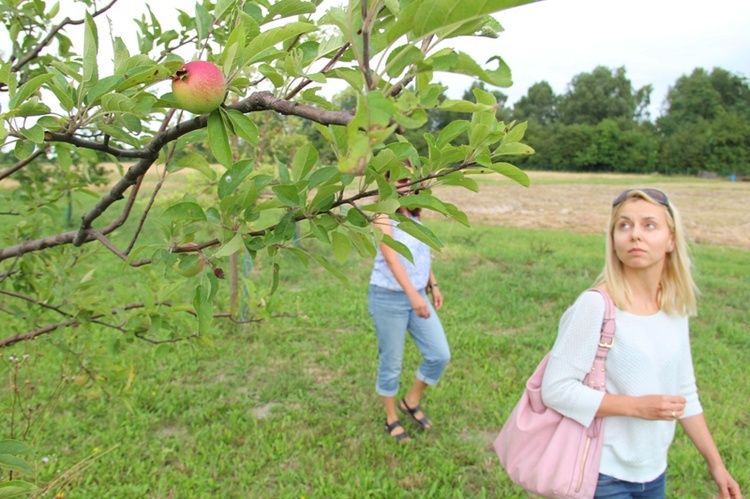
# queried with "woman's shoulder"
point(592, 297)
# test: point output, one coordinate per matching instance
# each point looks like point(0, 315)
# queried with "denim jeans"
point(613, 488)
point(393, 316)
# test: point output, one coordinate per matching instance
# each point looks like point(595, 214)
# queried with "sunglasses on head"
point(654, 194)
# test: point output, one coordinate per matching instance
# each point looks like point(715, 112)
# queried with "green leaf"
point(233, 177)
point(500, 77)
point(23, 149)
point(423, 201)
point(186, 210)
point(387, 206)
point(287, 194)
point(341, 246)
point(512, 172)
point(102, 87)
point(356, 218)
point(203, 308)
point(235, 245)
point(243, 126)
point(419, 231)
point(513, 149)
point(400, 58)
point(457, 214)
point(14, 447)
point(218, 138)
point(516, 133)
point(380, 108)
point(331, 269)
point(28, 89)
point(117, 103)
point(31, 107)
point(13, 463)
point(323, 175)
point(434, 15)
point(34, 134)
point(90, 50)
point(203, 20)
point(450, 132)
point(197, 162)
point(254, 50)
point(398, 247)
point(16, 489)
point(304, 159)
point(288, 8)
point(222, 6)
point(273, 76)
point(462, 106)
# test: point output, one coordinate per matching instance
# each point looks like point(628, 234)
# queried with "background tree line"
point(601, 124)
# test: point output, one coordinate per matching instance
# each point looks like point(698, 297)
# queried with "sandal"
point(424, 422)
point(403, 436)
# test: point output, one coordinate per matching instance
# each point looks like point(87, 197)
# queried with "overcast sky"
point(553, 40)
point(656, 40)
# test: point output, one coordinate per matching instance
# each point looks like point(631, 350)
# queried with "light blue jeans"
point(393, 316)
point(613, 488)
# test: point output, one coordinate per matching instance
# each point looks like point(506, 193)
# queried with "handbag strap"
point(607, 333)
point(597, 377)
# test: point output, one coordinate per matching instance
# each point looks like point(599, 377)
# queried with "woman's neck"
point(644, 292)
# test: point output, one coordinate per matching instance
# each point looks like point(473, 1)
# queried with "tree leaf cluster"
point(82, 138)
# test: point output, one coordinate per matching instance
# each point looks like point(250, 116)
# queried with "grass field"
point(287, 408)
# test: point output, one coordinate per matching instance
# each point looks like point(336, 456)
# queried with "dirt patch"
point(713, 211)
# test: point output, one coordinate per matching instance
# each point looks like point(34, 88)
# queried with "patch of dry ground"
point(713, 211)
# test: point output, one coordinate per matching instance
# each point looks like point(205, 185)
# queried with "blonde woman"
point(650, 378)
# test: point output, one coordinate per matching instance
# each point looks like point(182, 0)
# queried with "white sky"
point(656, 40)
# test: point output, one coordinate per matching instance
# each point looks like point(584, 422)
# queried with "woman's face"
point(642, 237)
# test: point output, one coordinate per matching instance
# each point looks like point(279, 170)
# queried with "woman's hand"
point(437, 298)
point(659, 407)
point(419, 305)
point(728, 486)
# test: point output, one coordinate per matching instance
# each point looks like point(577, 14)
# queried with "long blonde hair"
point(677, 289)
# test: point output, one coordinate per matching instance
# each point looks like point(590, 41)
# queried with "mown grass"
point(287, 408)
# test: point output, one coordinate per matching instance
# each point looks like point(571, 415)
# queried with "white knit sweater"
point(651, 356)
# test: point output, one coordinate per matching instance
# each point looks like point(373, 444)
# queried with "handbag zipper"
point(583, 464)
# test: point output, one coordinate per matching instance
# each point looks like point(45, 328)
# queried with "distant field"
point(714, 211)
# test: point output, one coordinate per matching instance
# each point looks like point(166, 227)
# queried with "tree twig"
point(13, 169)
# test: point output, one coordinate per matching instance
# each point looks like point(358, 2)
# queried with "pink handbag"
point(547, 453)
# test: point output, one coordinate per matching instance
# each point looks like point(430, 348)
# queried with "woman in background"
point(403, 297)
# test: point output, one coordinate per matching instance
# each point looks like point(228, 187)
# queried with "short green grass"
point(287, 408)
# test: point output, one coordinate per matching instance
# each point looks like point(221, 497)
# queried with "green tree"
point(63, 107)
point(539, 105)
point(602, 94)
point(705, 126)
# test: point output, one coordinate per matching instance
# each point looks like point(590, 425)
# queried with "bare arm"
point(697, 430)
point(437, 296)
point(399, 272)
point(652, 407)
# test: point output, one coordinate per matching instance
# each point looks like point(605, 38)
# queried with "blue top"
point(418, 272)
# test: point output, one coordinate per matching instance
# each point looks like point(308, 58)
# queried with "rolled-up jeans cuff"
point(386, 393)
point(430, 382)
